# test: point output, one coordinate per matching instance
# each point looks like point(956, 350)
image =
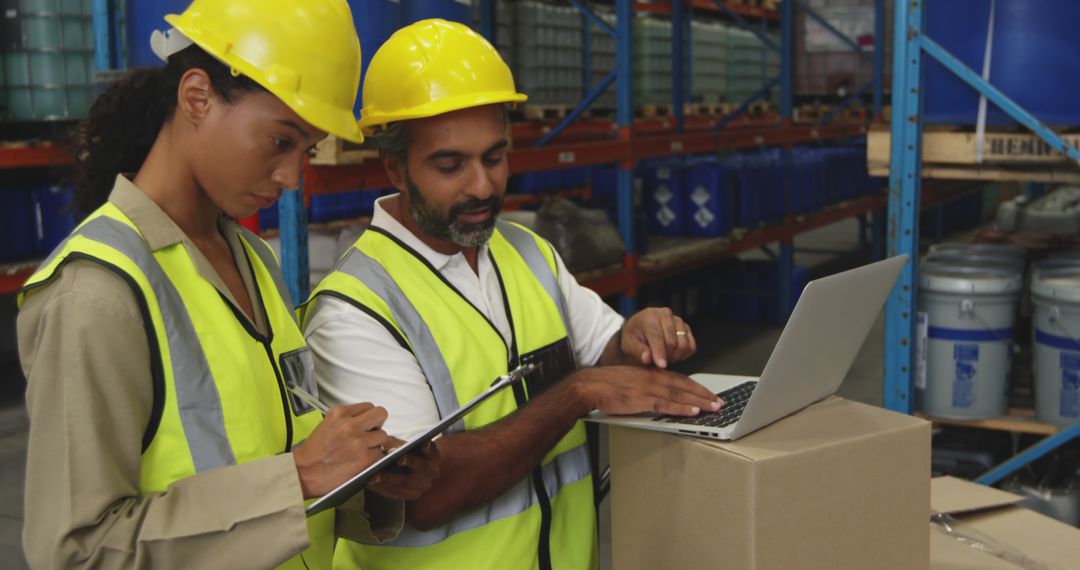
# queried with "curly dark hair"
point(125, 120)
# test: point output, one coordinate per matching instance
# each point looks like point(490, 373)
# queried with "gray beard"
point(448, 228)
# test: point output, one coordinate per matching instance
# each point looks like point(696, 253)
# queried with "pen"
point(309, 399)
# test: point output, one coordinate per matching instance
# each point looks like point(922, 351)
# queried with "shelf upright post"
point(586, 55)
point(879, 55)
point(624, 115)
point(678, 51)
point(294, 242)
point(487, 22)
point(106, 35)
point(905, 179)
point(786, 259)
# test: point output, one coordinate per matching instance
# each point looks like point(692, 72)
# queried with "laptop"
point(808, 363)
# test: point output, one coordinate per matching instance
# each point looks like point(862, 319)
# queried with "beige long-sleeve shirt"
point(84, 351)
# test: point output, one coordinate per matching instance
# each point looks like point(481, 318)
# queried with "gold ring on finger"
point(680, 333)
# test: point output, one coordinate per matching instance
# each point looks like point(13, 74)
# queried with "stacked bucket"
point(974, 308)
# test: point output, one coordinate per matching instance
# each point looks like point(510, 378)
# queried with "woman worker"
point(158, 340)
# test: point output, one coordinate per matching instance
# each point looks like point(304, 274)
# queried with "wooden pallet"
point(655, 111)
point(334, 151)
point(810, 113)
point(708, 109)
point(545, 112)
point(760, 108)
point(952, 145)
point(767, 4)
point(1008, 156)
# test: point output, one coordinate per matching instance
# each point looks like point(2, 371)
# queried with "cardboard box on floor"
point(837, 486)
point(987, 528)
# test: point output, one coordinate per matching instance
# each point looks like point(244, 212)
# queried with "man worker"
point(437, 298)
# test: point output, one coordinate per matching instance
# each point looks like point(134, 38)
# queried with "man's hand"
point(656, 337)
point(412, 475)
point(348, 440)
point(634, 390)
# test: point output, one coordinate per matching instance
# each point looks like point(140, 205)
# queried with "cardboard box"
point(987, 528)
point(839, 485)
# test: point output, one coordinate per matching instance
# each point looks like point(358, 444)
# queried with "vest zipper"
point(267, 342)
point(543, 550)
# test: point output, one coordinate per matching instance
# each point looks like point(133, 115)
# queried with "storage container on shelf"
point(966, 320)
point(54, 216)
point(375, 21)
point(17, 224)
point(711, 189)
point(143, 19)
point(49, 65)
point(665, 202)
point(1055, 295)
point(1033, 44)
point(547, 53)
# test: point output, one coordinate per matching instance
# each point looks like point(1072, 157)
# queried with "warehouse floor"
point(723, 346)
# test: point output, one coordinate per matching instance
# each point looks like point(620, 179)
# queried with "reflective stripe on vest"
point(374, 275)
point(196, 391)
point(565, 469)
point(529, 251)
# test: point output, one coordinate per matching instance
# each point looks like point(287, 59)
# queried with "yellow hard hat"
point(305, 53)
point(430, 68)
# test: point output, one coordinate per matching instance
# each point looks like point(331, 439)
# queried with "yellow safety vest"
point(547, 520)
point(219, 392)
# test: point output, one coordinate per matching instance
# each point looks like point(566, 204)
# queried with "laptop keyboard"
point(735, 400)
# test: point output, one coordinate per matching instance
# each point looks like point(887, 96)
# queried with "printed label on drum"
point(966, 358)
point(1070, 385)
point(922, 328)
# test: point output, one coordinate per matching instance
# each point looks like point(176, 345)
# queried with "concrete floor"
point(724, 346)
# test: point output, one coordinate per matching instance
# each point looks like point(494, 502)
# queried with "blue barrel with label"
point(665, 204)
point(54, 215)
point(711, 187)
point(375, 21)
point(761, 190)
point(1055, 294)
point(964, 340)
point(143, 18)
point(452, 10)
point(1033, 43)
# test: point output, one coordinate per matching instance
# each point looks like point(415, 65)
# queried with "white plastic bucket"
point(966, 321)
point(1055, 294)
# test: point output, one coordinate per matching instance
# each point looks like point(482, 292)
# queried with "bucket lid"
point(956, 278)
point(1054, 264)
point(1061, 284)
point(1013, 264)
point(999, 249)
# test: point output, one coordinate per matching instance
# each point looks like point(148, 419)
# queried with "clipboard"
point(354, 485)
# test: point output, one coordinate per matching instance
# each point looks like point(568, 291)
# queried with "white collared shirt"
point(357, 360)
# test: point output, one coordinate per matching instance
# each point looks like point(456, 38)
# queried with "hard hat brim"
point(370, 119)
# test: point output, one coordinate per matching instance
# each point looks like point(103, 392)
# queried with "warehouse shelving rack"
point(911, 45)
point(555, 147)
point(561, 146)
